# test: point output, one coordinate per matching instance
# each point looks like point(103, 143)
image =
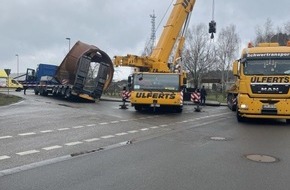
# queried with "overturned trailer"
point(85, 72)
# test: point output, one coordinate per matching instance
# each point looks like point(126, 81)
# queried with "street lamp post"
point(17, 64)
point(68, 43)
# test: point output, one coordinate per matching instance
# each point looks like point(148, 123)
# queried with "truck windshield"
point(267, 67)
point(159, 82)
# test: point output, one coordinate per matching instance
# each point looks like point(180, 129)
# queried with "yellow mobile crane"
point(157, 83)
point(262, 86)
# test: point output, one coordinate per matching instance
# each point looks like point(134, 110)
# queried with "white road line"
point(91, 140)
point(4, 157)
point(154, 127)
point(52, 147)
point(47, 131)
point(123, 120)
point(5, 137)
point(114, 122)
point(91, 125)
point(73, 143)
point(144, 129)
point(63, 129)
point(179, 122)
point(165, 125)
point(78, 127)
point(134, 131)
point(121, 134)
point(26, 134)
point(27, 152)
point(142, 118)
point(104, 123)
point(107, 137)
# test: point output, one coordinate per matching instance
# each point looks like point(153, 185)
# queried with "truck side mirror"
point(236, 68)
point(184, 81)
point(129, 81)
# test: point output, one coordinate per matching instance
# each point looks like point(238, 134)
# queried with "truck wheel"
point(230, 102)
point(54, 91)
point(288, 121)
point(58, 91)
point(68, 93)
point(63, 89)
point(179, 109)
point(239, 117)
point(36, 92)
point(138, 108)
point(45, 93)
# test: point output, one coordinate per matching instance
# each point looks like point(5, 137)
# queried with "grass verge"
point(6, 99)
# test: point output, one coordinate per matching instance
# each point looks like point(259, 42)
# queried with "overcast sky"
point(36, 30)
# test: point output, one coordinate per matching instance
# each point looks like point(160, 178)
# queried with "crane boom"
point(158, 60)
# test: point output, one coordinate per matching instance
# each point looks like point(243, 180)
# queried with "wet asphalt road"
point(205, 150)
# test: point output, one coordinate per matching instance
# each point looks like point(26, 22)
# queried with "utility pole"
point(17, 64)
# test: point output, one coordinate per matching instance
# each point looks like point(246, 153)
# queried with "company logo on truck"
point(270, 79)
point(155, 95)
point(258, 55)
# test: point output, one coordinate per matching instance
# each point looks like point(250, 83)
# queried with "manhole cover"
point(261, 158)
point(218, 138)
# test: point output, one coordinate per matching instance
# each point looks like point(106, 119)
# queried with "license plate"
point(269, 106)
point(155, 105)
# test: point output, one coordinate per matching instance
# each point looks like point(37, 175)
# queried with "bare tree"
point(228, 44)
point(198, 53)
point(265, 33)
point(287, 27)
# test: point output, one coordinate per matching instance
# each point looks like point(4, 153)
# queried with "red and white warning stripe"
point(195, 97)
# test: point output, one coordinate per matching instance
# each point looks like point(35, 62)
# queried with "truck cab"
point(8, 82)
point(263, 80)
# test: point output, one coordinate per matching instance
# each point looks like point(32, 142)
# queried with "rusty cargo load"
point(86, 71)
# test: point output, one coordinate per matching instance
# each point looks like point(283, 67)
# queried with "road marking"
point(107, 137)
point(5, 137)
point(52, 147)
point(163, 125)
point(63, 129)
point(26, 134)
point(73, 143)
point(121, 134)
point(47, 131)
point(27, 152)
point(144, 129)
point(133, 131)
point(114, 122)
point(78, 127)
point(124, 120)
point(4, 157)
point(104, 123)
point(154, 127)
point(91, 140)
point(142, 118)
point(91, 125)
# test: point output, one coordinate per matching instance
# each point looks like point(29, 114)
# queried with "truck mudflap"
point(75, 67)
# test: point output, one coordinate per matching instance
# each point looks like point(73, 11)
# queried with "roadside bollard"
point(195, 97)
point(125, 96)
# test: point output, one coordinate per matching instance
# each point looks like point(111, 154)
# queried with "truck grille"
point(270, 88)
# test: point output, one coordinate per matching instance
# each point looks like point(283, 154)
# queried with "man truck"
point(157, 83)
point(261, 89)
